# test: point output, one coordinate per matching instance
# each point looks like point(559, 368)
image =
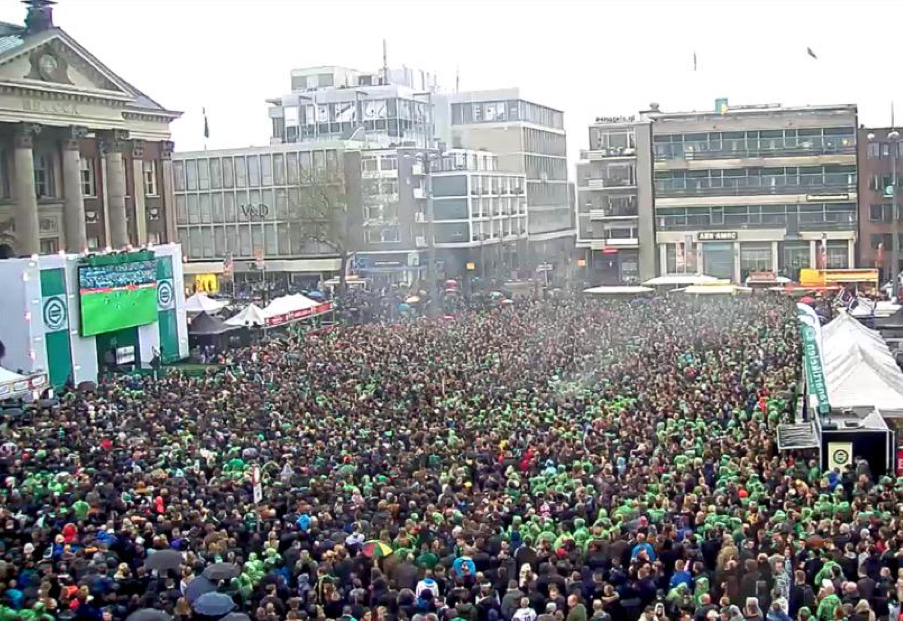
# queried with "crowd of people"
point(564, 460)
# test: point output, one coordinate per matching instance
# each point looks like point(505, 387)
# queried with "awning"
point(616, 290)
point(680, 280)
point(14, 386)
point(251, 315)
point(200, 303)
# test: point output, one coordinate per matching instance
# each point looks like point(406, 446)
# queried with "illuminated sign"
point(717, 236)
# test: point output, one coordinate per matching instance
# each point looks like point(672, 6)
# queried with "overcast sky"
point(587, 58)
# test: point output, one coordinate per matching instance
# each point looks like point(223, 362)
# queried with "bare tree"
point(324, 215)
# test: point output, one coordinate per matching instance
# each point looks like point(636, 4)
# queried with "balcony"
point(419, 193)
point(596, 155)
point(773, 221)
point(611, 183)
point(609, 214)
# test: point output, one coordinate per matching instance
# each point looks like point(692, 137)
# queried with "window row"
point(832, 139)
point(242, 171)
point(507, 110)
point(541, 141)
point(241, 241)
point(808, 176)
point(809, 215)
point(238, 206)
point(882, 150)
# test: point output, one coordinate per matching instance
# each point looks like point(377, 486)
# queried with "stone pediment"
point(52, 61)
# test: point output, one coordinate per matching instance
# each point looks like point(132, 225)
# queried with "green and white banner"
point(55, 317)
point(166, 310)
point(810, 332)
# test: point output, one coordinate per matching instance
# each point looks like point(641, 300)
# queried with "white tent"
point(859, 369)
point(288, 304)
point(680, 280)
point(250, 315)
point(200, 303)
point(716, 289)
point(14, 386)
point(616, 290)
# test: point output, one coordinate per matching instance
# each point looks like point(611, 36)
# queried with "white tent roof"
point(200, 303)
point(678, 280)
point(13, 385)
point(716, 289)
point(250, 315)
point(859, 368)
point(614, 290)
point(288, 304)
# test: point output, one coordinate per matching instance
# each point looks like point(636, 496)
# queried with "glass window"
point(253, 171)
point(178, 174)
point(150, 178)
point(203, 174)
point(837, 254)
point(216, 173)
point(241, 172)
point(219, 242)
point(217, 207)
point(229, 207)
point(228, 173)
point(206, 209)
point(244, 239)
point(388, 162)
point(191, 174)
point(89, 184)
point(278, 169)
point(181, 211)
point(194, 217)
point(266, 169)
point(873, 151)
point(291, 165)
point(272, 248)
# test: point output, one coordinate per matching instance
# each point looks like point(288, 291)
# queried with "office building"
point(876, 197)
point(385, 108)
point(528, 139)
point(246, 204)
point(755, 188)
point(84, 155)
point(615, 223)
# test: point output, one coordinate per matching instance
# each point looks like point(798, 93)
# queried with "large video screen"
point(116, 295)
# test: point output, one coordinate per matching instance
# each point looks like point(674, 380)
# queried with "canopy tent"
point(251, 315)
point(618, 290)
point(859, 369)
point(205, 325)
point(716, 289)
point(15, 386)
point(291, 308)
point(200, 303)
point(680, 280)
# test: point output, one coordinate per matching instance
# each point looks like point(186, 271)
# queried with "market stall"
point(201, 303)
point(293, 308)
point(618, 291)
point(18, 386)
point(250, 316)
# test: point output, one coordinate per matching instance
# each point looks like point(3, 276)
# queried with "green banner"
point(55, 315)
point(815, 375)
point(166, 311)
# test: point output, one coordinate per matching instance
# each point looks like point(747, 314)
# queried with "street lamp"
point(893, 136)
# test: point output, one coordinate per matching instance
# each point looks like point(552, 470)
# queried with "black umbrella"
point(235, 616)
point(198, 587)
point(148, 614)
point(164, 560)
point(221, 571)
point(213, 605)
point(87, 386)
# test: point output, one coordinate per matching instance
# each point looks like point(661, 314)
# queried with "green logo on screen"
point(164, 294)
point(54, 314)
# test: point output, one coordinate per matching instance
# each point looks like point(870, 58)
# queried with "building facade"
point(615, 223)
point(755, 188)
point(480, 215)
point(386, 108)
point(876, 197)
point(245, 204)
point(84, 156)
point(529, 139)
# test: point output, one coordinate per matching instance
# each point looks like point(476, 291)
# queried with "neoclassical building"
point(85, 157)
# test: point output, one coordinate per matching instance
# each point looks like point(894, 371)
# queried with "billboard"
point(117, 291)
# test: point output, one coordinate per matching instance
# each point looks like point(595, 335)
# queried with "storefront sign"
point(257, 211)
point(717, 236)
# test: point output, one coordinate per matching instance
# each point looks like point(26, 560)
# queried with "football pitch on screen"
point(114, 309)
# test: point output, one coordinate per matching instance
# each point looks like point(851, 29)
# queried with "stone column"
point(169, 196)
point(138, 191)
point(25, 214)
point(74, 205)
point(113, 144)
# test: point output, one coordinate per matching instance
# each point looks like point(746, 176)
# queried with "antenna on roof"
point(457, 79)
point(385, 64)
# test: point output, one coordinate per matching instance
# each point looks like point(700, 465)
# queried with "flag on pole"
point(811, 53)
point(694, 61)
point(206, 125)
